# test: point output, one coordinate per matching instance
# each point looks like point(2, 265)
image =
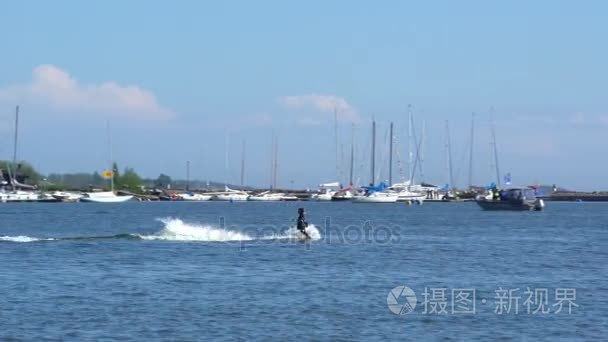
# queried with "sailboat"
point(347, 193)
point(106, 196)
point(375, 194)
point(403, 190)
point(450, 194)
point(19, 192)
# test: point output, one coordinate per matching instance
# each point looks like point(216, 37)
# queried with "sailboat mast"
point(449, 155)
point(227, 145)
point(471, 151)
point(495, 149)
point(421, 152)
point(276, 161)
point(187, 175)
point(12, 174)
point(271, 159)
point(111, 161)
point(373, 168)
point(413, 162)
point(390, 157)
point(336, 143)
point(352, 156)
point(410, 156)
point(243, 166)
point(16, 137)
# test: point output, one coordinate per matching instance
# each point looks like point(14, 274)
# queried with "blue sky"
point(176, 79)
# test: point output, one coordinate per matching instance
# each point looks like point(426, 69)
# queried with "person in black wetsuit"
point(302, 223)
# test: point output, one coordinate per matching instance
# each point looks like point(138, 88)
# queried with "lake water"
point(222, 271)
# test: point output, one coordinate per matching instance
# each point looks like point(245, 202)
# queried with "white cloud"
point(325, 104)
point(56, 89)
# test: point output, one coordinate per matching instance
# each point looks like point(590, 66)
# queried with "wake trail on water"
point(23, 238)
point(177, 230)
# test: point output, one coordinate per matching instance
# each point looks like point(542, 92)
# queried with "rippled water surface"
point(200, 271)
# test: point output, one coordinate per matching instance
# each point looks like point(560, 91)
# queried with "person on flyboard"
point(302, 223)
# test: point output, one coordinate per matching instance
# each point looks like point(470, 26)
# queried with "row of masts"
point(415, 154)
point(415, 158)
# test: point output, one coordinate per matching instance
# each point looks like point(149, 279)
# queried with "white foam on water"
point(22, 238)
point(177, 230)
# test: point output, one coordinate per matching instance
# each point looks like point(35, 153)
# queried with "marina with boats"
point(14, 187)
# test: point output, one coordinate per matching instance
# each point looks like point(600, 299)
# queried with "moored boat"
point(376, 197)
point(230, 195)
point(289, 198)
point(64, 196)
point(405, 194)
point(266, 196)
point(515, 199)
point(346, 194)
point(19, 196)
point(326, 191)
point(193, 197)
point(104, 197)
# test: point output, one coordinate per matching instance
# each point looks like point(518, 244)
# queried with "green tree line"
point(25, 173)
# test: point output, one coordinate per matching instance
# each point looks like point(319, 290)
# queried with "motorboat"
point(230, 195)
point(346, 194)
point(376, 197)
point(408, 196)
point(64, 196)
point(193, 197)
point(405, 194)
point(104, 197)
point(519, 199)
point(326, 191)
point(323, 195)
point(266, 196)
point(289, 198)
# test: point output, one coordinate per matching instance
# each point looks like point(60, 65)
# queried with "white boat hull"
point(231, 197)
point(104, 197)
point(411, 198)
point(194, 197)
point(66, 196)
point(342, 196)
point(376, 198)
point(323, 197)
point(264, 198)
point(19, 196)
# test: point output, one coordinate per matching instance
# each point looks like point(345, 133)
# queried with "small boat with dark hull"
point(516, 199)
